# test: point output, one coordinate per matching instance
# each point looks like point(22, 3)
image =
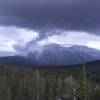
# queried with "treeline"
point(28, 84)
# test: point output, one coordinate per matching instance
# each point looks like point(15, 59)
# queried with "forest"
point(18, 83)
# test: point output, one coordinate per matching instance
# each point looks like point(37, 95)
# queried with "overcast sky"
point(42, 22)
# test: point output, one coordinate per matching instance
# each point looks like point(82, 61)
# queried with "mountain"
point(16, 60)
point(55, 55)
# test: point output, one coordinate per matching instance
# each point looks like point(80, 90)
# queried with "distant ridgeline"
point(55, 55)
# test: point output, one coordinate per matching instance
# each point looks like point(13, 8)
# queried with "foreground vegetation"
point(32, 84)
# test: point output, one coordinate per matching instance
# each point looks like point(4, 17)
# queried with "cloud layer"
point(48, 14)
point(9, 36)
point(65, 39)
point(22, 41)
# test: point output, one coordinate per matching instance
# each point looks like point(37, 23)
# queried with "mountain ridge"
point(56, 56)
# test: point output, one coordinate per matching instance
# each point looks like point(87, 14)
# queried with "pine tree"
point(84, 88)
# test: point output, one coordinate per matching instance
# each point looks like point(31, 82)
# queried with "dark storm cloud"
point(48, 14)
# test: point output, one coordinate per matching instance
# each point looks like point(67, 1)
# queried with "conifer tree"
point(84, 88)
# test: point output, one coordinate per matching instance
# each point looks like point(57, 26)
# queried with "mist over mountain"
point(56, 55)
point(38, 30)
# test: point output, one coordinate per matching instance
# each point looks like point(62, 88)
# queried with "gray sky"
point(22, 21)
point(44, 14)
